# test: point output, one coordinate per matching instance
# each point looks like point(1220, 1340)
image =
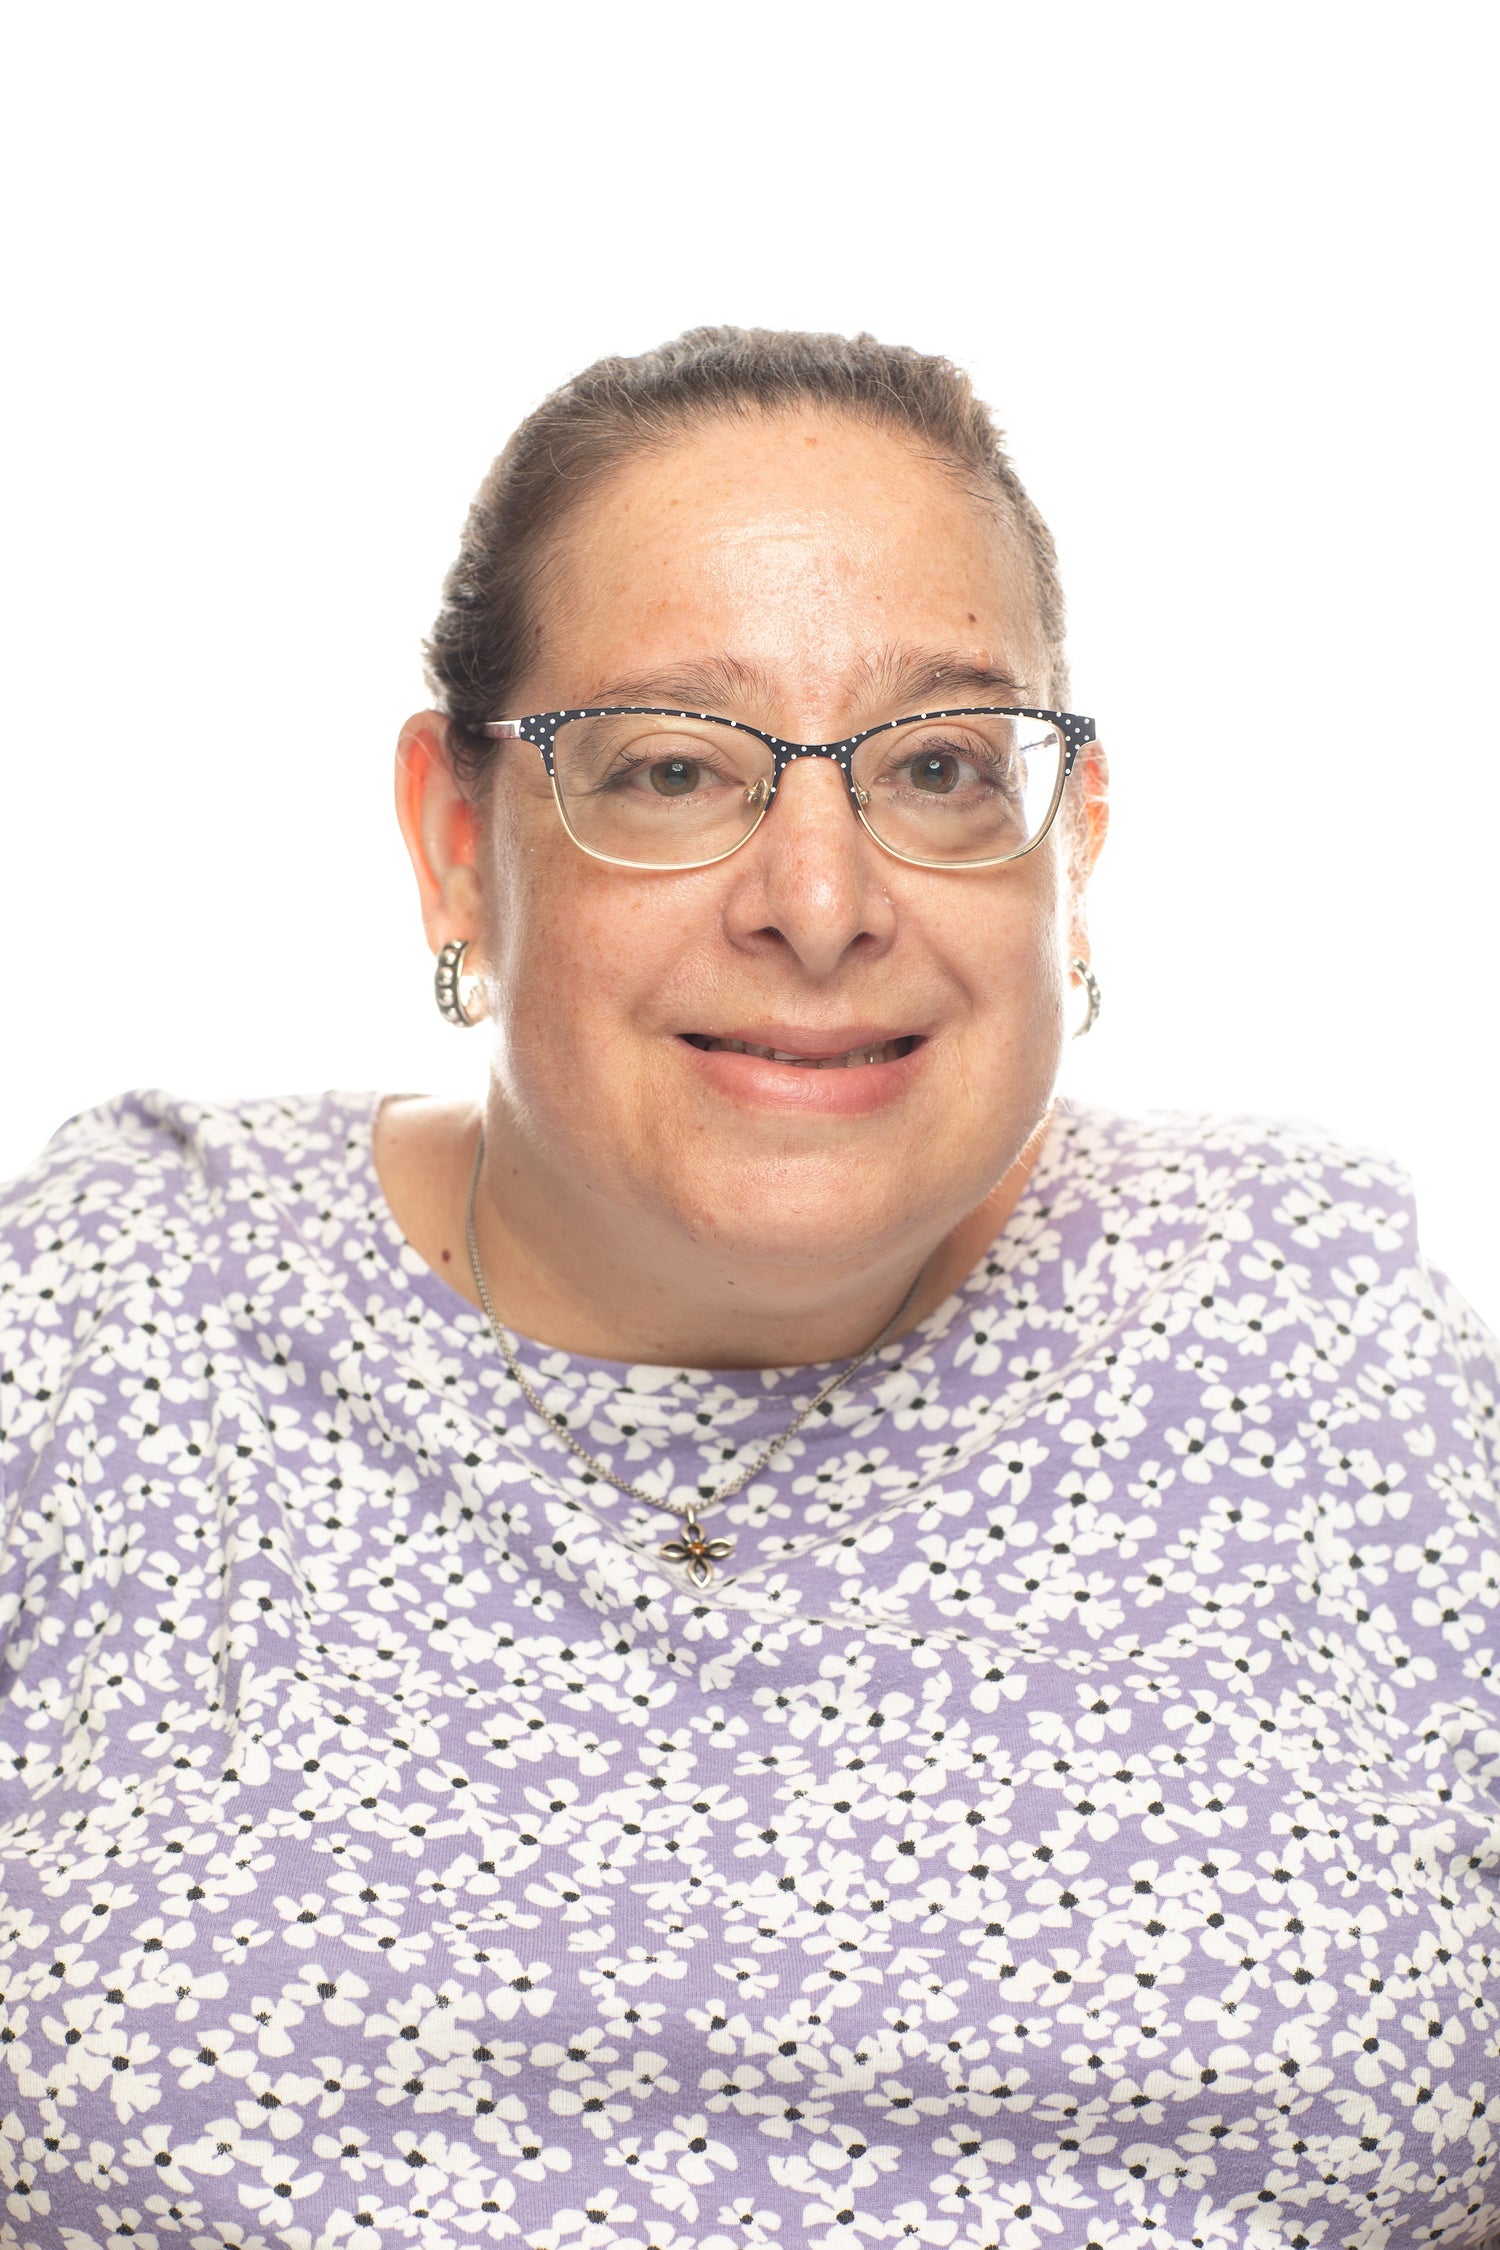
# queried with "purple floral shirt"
point(1069, 1822)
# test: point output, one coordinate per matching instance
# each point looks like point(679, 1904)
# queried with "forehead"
point(811, 552)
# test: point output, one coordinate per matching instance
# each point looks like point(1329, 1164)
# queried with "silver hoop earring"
point(1090, 983)
point(446, 981)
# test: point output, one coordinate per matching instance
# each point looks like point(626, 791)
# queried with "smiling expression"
point(809, 1049)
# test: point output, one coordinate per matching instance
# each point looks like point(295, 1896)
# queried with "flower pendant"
point(697, 1550)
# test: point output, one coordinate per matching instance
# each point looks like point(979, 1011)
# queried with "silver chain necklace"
point(694, 1548)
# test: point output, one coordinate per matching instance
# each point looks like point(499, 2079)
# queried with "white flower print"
point(1065, 1824)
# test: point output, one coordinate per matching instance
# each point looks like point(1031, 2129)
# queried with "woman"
point(767, 1639)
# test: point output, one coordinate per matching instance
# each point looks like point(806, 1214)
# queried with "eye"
point(936, 772)
point(675, 777)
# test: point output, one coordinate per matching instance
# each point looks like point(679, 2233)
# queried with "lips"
point(849, 1058)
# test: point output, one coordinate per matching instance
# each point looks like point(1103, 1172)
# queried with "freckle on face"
point(734, 542)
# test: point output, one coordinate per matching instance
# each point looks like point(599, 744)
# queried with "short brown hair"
point(619, 408)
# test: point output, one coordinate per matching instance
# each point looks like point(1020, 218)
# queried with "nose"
point(811, 878)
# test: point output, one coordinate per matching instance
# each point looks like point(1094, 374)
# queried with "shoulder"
point(131, 1198)
point(1287, 1178)
point(1248, 1212)
point(149, 1161)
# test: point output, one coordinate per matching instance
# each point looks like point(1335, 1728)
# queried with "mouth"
point(849, 1058)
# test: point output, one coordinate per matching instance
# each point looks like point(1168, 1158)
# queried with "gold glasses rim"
point(1073, 733)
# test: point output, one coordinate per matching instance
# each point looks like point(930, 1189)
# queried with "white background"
point(282, 279)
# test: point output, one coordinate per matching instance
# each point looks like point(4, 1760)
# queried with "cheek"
point(1002, 942)
point(574, 945)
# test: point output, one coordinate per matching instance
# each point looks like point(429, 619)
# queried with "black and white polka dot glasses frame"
point(971, 787)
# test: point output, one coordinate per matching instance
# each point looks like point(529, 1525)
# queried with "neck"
point(587, 1276)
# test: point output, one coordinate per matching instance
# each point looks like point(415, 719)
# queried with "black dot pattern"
point(540, 729)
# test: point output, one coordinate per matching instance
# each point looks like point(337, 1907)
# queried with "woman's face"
point(811, 576)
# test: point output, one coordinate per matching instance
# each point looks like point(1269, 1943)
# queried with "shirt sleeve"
point(103, 1222)
point(1470, 1368)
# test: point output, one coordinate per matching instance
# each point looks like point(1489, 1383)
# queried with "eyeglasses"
point(640, 787)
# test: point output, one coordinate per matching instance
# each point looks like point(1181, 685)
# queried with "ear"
point(441, 831)
point(1088, 788)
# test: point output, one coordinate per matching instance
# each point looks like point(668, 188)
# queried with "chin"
point(805, 1209)
point(798, 1170)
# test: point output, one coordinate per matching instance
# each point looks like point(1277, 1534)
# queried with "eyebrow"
point(910, 676)
point(696, 687)
point(899, 680)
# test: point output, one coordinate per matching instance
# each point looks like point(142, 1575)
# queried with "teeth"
point(889, 1050)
